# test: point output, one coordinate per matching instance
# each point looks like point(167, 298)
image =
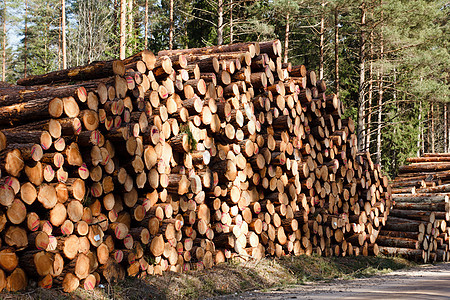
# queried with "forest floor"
point(268, 278)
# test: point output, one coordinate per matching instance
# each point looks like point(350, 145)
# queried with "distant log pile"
point(175, 162)
point(417, 225)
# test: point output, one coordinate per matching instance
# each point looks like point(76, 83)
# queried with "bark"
point(94, 70)
point(286, 39)
point(420, 138)
point(63, 33)
point(123, 12)
point(220, 22)
point(130, 23)
point(370, 95)
point(146, 25)
point(4, 44)
point(322, 40)
point(25, 42)
point(362, 79)
point(231, 23)
point(171, 25)
point(336, 50)
point(445, 127)
point(380, 99)
point(432, 128)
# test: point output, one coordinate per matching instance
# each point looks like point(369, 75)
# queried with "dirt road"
point(425, 282)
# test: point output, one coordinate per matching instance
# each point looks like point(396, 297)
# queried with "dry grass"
point(229, 278)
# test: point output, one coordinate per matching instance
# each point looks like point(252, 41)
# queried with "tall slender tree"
point(322, 39)
point(146, 25)
point(123, 32)
point(362, 78)
point(4, 42)
point(63, 33)
point(25, 40)
point(336, 49)
point(171, 29)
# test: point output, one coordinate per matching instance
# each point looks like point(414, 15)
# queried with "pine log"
point(92, 71)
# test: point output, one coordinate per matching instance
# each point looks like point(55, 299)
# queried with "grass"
point(230, 278)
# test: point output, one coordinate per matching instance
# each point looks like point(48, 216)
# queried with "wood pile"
point(175, 162)
point(417, 225)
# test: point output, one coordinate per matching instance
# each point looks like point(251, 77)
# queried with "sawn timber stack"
point(175, 162)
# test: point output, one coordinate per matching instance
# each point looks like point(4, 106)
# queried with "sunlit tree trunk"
point(420, 137)
point(380, 95)
point(171, 25)
point(220, 22)
point(123, 13)
point(370, 95)
point(130, 24)
point(322, 40)
point(146, 25)
point(4, 43)
point(286, 39)
point(336, 50)
point(432, 128)
point(63, 33)
point(362, 80)
point(25, 41)
point(445, 128)
point(231, 22)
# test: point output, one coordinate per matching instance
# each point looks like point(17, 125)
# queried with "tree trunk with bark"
point(219, 22)
point(123, 29)
point(286, 39)
point(231, 23)
point(63, 33)
point(336, 50)
point(25, 41)
point(4, 44)
point(362, 78)
point(433, 138)
point(322, 40)
point(171, 29)
point(380, 96)
point(146, 25)
point(131, 37)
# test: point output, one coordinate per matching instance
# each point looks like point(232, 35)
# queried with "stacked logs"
point(178, 161)
point(417, 227)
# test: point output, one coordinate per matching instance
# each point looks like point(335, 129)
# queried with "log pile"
point(175, 162)
point(417, 225)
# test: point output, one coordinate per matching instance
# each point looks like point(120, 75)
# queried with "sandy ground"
point(425, 282)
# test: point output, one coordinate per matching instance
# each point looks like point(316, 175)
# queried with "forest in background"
point(387, 59)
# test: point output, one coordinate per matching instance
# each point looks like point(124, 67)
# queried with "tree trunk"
point(370, 95)
point(130, 23)
point(286, 39)
point(445, 128)
point(432, 129)
point(186, 39)
point(123, 12)
point(322, 40)
point(428, 130)
point(231, 23)
point(362, 80)
point(220, 22)
point(336, 50)
point(380, 96)
point(146, 25)
point(447, 149)
point(4, 44)
point(25, 41)
point(63, 33)
point(420, 134)
point(171, 25)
